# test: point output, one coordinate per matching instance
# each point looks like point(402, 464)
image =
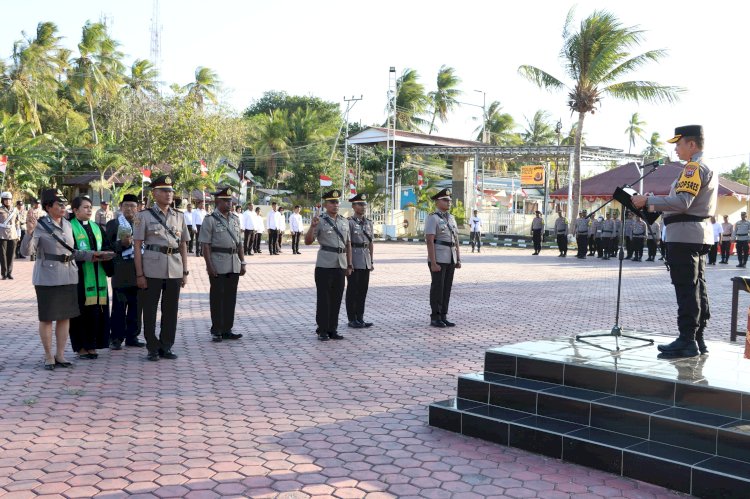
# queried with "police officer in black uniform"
point(222, 248)
point(687, 209)
point(361, 233)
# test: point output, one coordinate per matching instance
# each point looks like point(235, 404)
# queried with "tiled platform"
point(682, 424)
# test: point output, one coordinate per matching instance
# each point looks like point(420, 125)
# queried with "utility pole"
point(390, 167)
point(349, 105)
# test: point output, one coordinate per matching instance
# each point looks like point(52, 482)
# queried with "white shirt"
point(476, 224)
point(258, 223)
point(280, 221)
point(189, 218)
point(295, 222)
point(718, 231)
point(247, 220)
point(272, 219)
point(198, 216)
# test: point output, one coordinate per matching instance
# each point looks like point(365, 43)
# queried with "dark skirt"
point(57, 303)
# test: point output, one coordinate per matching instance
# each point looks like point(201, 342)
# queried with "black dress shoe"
point(217, 338)
point(231, 336)
point(334, 335)
point(322, 336)
point(115, 345)
point(679, 348)
point(135, 343)
point(153, 356)
point(48, 366)
point(63, 364)
point(355, 324)
point(448, 323)
point(167, 354)
point(438, 323)
point(11, 277)
point(365, 324)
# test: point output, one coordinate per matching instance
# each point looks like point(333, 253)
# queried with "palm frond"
point(632, 64)
point(540, 77)
point(647, 91)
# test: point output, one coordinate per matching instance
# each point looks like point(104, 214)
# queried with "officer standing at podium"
point(687, 209)
point(443, 257)
point(223, 250)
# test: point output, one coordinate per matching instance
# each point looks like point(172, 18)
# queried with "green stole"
point(95, 291)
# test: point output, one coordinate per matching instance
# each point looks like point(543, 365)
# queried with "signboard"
point(532, 176)
point(408, 197)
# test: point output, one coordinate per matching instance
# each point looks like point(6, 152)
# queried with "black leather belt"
point(684, 218)
point(360, 245)
point(161, 249)
point(59, 258)
point(230, 251)
point(444, 243)
point(333, 249)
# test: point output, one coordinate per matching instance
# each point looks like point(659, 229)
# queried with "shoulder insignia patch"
point(690, 179)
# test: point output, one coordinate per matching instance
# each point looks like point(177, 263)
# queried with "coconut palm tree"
point(655, 148)
point(204, 87)
point(142, 81)
point(500, 127)
point(411, 102)
point(538, 131)
point(444, 99)
point(28, 154)
point(270, 139)
point(97, 71)
point(634, 130)
point(595, 58)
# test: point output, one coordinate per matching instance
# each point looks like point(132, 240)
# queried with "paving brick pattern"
point(279, 414)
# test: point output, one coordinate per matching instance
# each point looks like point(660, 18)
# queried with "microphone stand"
point(617, 328)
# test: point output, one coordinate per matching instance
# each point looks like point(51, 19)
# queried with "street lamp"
point(484, 115)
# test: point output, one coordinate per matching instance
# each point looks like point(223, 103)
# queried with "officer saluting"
point(333, 263)
point(222, 248)
point(361, 232)
point(161, 268)
point(687, 208)
point(443, 257)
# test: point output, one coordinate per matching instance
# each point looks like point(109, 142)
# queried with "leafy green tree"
point(595, 58)
point(28, 154)
point(274, 100)
point(538, 131)
point(500, 127)
point(142, 81)
point(634, 130)
point(739, 174)
point(445, 98)
point(655, 148)
point(269, 135)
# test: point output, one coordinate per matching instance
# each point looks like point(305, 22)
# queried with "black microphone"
point(654, 164)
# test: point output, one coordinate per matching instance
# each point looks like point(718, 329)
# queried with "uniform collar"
point(155, 208)
point(697, 156)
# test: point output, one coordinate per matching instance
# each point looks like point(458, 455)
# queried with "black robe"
point(90, 330)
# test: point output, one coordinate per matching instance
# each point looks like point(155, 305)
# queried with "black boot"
point(702, 348)
point(684, 346)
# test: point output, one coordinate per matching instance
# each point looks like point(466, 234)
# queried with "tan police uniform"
point(103, 216)
point(330, 269)
point(442, 225)
point(222, 237)
point(8, 238)
point(162, 236)
point(361, 233)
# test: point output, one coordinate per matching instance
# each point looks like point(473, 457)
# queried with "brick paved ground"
point(279, 414)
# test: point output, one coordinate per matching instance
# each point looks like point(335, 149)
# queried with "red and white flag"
point(146, 172)
point(420, 179)
point(325, 181)
point(204, 168)
point(3, 163)
point(352, 184)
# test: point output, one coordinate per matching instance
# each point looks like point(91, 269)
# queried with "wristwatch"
point(185, 272)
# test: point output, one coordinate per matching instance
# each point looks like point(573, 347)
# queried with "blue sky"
point(336, 48)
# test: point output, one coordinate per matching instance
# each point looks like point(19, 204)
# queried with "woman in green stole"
point(90, 330)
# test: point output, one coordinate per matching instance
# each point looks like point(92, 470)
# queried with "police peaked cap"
point(359, 198)
point(333, 195)
point(223, 193)
point(444, 194)
point(162, 182)
point(686, 131)
point(52, 195)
